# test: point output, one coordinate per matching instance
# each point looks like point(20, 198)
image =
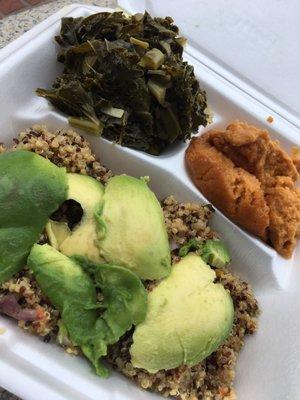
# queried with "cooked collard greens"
point(124, 78)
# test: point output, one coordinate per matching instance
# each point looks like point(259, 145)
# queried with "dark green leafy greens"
point(31, 189)
point(213, 252)
point(70, 286)
point(124, 78)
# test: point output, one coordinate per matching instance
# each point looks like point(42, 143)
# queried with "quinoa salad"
point(213, 377)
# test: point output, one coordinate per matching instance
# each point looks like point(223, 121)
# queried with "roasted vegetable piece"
point(69, 287)
point(9, 305)
point(31, 189)
point(110, 63)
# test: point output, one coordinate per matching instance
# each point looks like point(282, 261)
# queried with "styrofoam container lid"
point(254, 44)
point(269, 366)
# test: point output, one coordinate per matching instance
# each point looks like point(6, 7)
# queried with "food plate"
point(268, 367)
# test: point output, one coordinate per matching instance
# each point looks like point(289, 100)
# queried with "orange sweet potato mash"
point(251, 180)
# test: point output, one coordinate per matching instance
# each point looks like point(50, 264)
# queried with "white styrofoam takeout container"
point(268, 366)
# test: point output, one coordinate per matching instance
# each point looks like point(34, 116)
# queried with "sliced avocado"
point(68, 285)
point(215, 253)
point(188, 318)
point(132, 232)
point(83, 239)
point(57, 232)
point(31, 189)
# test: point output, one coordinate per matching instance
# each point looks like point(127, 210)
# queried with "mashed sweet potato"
point(251, 179)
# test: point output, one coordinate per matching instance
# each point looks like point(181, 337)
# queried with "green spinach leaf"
point(70, 286)
point(31, 189)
